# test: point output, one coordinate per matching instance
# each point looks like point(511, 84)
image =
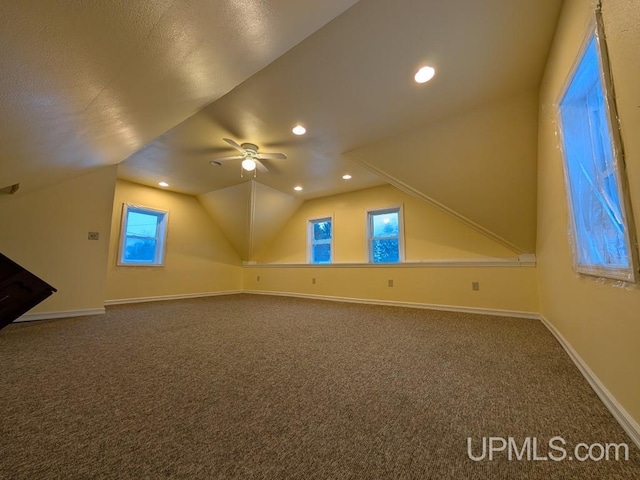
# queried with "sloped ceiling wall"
point(86, 84)
point(272, 209)
point(479, 166)
point(250, 214)
point(230, 208)
point(90, 85)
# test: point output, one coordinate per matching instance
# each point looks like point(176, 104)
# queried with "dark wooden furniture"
point(20, 291)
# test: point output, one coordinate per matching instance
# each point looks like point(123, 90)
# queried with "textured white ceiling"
point(86, 84)
point(351, 83)
point(156, 85)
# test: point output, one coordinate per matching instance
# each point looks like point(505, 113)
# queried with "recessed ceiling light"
point(163, 184)
point(346, 176)
point(299, 130)
point(297, 188)
point(424, 74)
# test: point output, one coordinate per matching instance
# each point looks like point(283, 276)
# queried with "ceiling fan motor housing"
point(251, 149)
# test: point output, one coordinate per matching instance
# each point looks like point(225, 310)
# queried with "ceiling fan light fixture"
point(346, 176)
point(299, 130)
point(425, 74)
point(297, 188)
point(249, 164)
point(252, 160)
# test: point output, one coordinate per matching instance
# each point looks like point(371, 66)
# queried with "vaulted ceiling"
point(155, 86)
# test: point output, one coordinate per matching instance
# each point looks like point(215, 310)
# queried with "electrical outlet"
point(313, 280)
point(94, 236)
point(390, 283)
point(475, 285)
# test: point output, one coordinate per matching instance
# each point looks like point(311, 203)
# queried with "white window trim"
point(401, 235)
point(161, 236)
point(596, 28)
point(310, 243)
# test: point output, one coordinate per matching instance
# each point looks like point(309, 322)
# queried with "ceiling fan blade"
point(260, 166)
point(224, 159)
point(234, 145)
point(272, 156)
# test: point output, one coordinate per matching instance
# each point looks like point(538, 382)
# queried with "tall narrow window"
point(320, 240)
point(384, 231)
point(143, 235)
point(594, 170)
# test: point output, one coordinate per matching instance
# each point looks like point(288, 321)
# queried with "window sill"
point(522, 261)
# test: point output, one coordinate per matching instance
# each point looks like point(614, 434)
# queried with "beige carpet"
point(254, 387)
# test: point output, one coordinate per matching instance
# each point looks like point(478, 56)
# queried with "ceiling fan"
point(250, 156)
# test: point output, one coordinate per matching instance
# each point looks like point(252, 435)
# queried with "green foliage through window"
point(384, 236)
point(320, 233)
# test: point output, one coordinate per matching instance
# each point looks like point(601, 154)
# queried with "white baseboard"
point(619, 413)
point(123, 301)
point(393, 303)
point(30, 317)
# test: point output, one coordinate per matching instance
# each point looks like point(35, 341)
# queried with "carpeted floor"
point(255, 387)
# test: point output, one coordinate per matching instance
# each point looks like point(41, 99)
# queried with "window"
point(320, 239)
point(143, 236)
point(593, 169)
point(384, 227)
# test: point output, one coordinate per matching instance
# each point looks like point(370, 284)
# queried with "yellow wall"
point(198, 257)
point(501, 288)
point(600, 321)
point(480, 163)
point(429, 233)
point(46, 232)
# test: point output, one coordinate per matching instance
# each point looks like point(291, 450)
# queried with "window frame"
point(592, 268)
point(160, 237)
point(370, 238)
point(311, 240)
